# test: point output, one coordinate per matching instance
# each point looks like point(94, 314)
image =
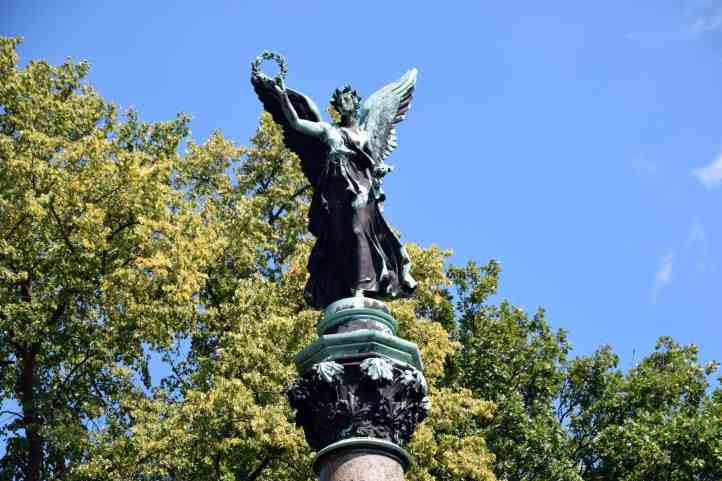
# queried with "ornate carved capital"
point(377, 398)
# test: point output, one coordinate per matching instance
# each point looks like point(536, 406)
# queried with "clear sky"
point(579, 143)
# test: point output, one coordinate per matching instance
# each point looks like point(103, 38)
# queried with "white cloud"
point(706, 23)
point(662, 277)
point(706, 16)
point(697, 246)
point(710, 175)
point(690, 259)
point(696, 234)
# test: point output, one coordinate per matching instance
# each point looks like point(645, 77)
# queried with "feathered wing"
point(382, 110)
point(309, 149)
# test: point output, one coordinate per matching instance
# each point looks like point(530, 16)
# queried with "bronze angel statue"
point(356, 252)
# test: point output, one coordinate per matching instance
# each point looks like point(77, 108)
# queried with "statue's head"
point(346, 100)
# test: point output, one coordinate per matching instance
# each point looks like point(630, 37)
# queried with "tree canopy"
point(124, 245)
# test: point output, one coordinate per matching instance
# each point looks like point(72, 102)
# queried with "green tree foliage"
point(655, 422)
point(581, 419)
point(517, 362)
point(99, 253)
point(115, 248)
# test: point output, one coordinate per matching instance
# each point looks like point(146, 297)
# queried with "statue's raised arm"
point(303, 142)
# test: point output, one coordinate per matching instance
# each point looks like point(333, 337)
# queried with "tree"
point(90, 212)
point(225, 413)
point(656, 421)
point(581, 419)
point(116, 249)
point(518, 363)
point(116, 246)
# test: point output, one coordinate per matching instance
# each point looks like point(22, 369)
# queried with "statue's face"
point(346, 103)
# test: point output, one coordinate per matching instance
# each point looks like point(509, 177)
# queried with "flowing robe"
point(356, 252)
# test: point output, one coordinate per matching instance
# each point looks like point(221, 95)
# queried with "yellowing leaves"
point(451, 441)
point(116, 249)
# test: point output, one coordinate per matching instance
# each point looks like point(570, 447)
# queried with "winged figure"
point(356, 252)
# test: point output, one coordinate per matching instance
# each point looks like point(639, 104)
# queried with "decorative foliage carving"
point(377, 398)
point(329, 372)
point(377, 369)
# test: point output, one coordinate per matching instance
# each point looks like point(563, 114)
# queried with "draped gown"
point(356, 252)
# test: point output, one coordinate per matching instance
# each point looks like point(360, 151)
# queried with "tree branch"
point(88, 356)
point(17, 224)
point(130, 223)
point(177, 374)
point(106, 194)
point(60, 308)
point(13, 413)
point(257, 472)
point(61, 226)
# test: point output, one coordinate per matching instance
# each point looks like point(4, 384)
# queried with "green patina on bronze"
point(357, 252)
point(358, 345)
point(330, 324)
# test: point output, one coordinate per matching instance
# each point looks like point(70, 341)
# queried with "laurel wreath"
point(276, 57)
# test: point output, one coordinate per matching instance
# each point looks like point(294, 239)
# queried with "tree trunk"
point(26, 387)
point(27, 355)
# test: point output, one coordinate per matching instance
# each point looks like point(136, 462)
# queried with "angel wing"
point(384, 108)
point(310, 150)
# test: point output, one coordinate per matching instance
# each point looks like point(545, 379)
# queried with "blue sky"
point(578, 143)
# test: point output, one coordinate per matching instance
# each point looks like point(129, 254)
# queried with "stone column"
point(360, 394)
point(360, 464)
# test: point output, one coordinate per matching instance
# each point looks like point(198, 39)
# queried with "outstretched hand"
point(278, 86)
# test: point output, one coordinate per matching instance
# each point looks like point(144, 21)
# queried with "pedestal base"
point(361, 393)
point(354, 313)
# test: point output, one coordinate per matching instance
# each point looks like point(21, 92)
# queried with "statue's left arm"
point(308, 127)
point(300, 119)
